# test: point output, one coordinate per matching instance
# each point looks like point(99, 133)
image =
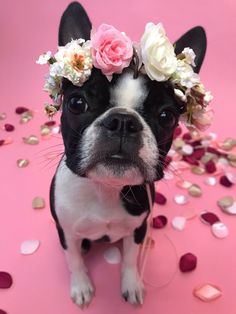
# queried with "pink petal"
point(5, 280)
point(188, 262)
point(179, 223)
point(181, 199)
point(209, 218)
point(29, 247)
point(160, 198)
point(112, 255)
point(159, 222)
point(219, 230)
point(207, 292)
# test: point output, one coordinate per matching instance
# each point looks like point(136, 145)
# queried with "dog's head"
point(118, 132)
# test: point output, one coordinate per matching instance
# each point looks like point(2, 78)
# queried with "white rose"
point(157, 53)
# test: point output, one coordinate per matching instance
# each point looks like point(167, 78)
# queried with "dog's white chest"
point(90, 210)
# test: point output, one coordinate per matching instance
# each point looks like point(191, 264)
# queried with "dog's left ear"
point(74, 24)
point(195, 38)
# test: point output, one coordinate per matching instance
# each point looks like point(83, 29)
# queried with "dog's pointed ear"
point(195, 38)
point(74, 24)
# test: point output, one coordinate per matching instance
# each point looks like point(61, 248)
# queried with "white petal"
point(29, 247)
point(112, 255)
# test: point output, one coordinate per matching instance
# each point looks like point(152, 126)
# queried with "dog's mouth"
point(117, 167)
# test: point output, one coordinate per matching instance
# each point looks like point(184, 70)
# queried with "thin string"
point(145, 249)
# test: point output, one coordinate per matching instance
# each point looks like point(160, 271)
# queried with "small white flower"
point(185, 75)
point(52, 85)
point(43, 59)
point(189, 56)
point(157, 53)
point(207, 98)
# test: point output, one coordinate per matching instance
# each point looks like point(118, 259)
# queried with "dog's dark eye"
point(77, 105)
point(167, 119)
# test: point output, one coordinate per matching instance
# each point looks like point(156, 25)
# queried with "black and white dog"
point(116, 136)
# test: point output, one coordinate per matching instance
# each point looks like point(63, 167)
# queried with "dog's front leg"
point(81, 287)
point(131, 284)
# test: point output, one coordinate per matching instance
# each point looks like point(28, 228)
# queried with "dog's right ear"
point(74, 24)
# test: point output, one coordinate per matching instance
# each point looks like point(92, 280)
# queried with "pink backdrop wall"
point(28, 28)
point(41, 281)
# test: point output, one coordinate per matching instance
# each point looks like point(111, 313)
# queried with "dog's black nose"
point(122, 124)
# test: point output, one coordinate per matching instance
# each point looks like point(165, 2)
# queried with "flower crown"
point(111, 51)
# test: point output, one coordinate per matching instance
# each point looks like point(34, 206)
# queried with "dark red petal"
point(198, 153)
point(213, 150)
point(5, 280)
point(209, 218)
point(187, 137)
point(187, 262)
point(2, 312)
point(191, 160)
point(168, 160)
point(196, 143)
point(20, 110)
point(177, 132)
point(225, 181)
point(210, 166)
point(1, 142)
point(160, 198)
point(9, 127)
point(159, 222)
point(50, 123)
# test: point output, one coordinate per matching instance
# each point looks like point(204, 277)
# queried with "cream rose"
point(158, 54)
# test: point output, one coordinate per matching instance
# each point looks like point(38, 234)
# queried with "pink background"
point(41, 281)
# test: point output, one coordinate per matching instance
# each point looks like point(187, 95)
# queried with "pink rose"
point(112, 50)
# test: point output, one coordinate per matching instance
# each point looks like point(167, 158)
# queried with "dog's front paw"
point(132, 287)
point(82, 290)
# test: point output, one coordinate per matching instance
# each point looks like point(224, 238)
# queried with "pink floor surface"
point(41, 280)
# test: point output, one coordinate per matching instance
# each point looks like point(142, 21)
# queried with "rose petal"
point(20, 110)
point(225, 182)
point(179, 223)
point(181, 199)
point(112, 255)
point(160, 198)
point(195, 190)
point(183, 184)
point(210, 166)
point(159, 222)
point(207, 292)
point(29, 247)
point(219, 230)
point(209, 218)
point(211, 181)
point(38, 202)
point(198, 170)
point(5, 280)
point(187, 149)
point(198, 153)
point(50, 123)
point(2, 312)
point(187, 137)
point(225, 202)
point(231, 177)
point(9, 127)
point(177, 132)
point(188, 262)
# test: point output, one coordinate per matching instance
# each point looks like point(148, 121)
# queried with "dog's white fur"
point(129, 93)
point(89, 209)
